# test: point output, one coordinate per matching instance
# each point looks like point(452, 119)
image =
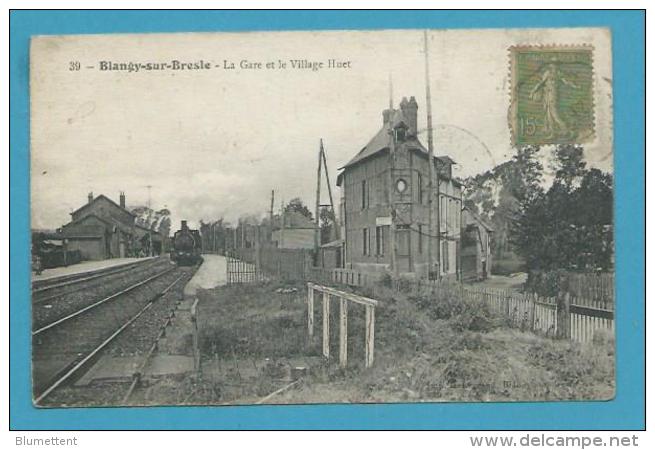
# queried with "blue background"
point(626, 411)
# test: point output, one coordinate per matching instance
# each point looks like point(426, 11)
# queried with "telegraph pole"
point(271, 211)
point(149, 197)
point(327, 180)
point(434, 177)
point(317, 229)
point(329, 188)
point(392, 165)
point(269, 234)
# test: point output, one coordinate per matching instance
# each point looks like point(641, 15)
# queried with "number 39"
point(74, 66)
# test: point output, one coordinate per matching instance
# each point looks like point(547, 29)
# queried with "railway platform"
point(85, 267)
point(212, 273)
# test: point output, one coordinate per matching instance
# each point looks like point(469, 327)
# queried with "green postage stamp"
point(552, 95)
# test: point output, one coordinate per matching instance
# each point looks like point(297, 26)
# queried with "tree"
point(524, 176)
point(327, 221)
point(296, 205)
point(569, 165)
point(569, 226)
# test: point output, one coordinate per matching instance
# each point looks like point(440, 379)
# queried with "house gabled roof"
point(82, 219)
point(77, 234)
point(381, 142)
point(106, 198)
point(109, 222)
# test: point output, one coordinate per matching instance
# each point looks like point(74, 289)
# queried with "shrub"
point(464, 314)
point(546, 284)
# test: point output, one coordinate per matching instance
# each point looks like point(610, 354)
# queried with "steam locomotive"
point(186, 246)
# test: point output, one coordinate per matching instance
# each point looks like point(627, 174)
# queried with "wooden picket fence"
point(346, 277)
point(569, 317)
point(597, 288)
point(525, 311)
point(587, 316)
point(280, 263)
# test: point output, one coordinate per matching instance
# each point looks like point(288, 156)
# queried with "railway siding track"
point(63, 349)
point(45, 311)
point(44, 285)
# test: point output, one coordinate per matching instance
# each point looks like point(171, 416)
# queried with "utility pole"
point(282, 217)
point(327, 179)
point(317, 229)
point(271, 212)
point(392, 165)
point(434, 177)
point(459, 242)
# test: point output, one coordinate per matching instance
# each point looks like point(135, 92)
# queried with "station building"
point(101, 229)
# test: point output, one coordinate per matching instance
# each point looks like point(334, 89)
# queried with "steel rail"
point(100, 302)
point(104, 343)
point(37, 301)
point(136, 376)
point(96, 274)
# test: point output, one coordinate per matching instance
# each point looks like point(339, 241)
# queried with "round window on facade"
point(401, 186)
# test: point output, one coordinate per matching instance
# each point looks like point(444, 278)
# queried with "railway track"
point(64, 348)
point(47, 290)
point(66, 303)
point(137, 375)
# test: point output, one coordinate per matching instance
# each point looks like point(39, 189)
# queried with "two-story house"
point(101, 229)
point(385, 190)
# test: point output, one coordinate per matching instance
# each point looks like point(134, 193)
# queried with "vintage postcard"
point(322, 217)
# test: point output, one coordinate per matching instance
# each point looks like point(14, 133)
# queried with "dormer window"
point(400, 134)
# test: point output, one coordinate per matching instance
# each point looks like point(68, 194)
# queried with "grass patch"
point(429, 347)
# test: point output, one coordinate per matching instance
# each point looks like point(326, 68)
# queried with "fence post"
point(258, 262)
point(534, 298)
point(370, 335)
point(196, 349)
point(326, 325)
point(343, 333)
point(310, 311)
point(563, 317)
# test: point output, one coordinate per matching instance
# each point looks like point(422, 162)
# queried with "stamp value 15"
point(552, 95)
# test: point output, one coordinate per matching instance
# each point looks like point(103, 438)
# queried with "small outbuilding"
point(293, 230)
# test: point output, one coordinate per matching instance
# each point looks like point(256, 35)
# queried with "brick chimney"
point(410, 113)
point(90, 197)
point(387, 114)
point(122, 199)
point(184, 225)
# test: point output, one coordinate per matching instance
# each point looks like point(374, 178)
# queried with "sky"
point(214, 142)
